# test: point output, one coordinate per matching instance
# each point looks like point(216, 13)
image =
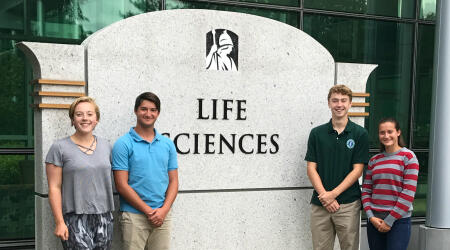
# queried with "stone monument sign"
point(239, 96)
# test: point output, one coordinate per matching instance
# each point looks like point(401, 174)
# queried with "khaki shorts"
point(345, 223)
point(138, 233)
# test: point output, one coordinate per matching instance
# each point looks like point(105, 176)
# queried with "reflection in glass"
point(77, 19)
point(11, 17)
point(388, 44)
point(420, 200)
point(289, 17)
point(16, 127)
point(428, 9)
point(16, 197)
point(424, 81)
point(394, 8)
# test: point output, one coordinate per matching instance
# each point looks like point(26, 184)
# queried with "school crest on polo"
point(222, 47)
point(350, 143)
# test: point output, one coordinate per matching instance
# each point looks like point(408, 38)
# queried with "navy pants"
point(396, 239)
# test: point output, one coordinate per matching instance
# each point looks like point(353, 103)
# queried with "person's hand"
point(332, 207)
point(61, 231)
point(327, 198)
point(384, 228)
point(376, 222)
point(157, 216)
point(150, 217)
point(148, 212)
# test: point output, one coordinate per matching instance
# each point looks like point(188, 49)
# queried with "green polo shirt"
point(335, 155)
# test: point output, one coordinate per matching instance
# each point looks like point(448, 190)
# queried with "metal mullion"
point(358, 15)
point(374, 150)
point(16, 151)
point(163, 5)
point(30, 114)
point(426, 22)
point(300, 23)
point(25, 17)
point(417, 10)
point(29, 38)
point(417, 150)
point(302, 9)
point(420, 150)
point(18, 244)
point(55, 40)
point(250, 5)
point(301, 20)
point(413, 82)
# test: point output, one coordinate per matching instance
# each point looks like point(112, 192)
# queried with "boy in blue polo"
point(337, 152)
point(146, 176)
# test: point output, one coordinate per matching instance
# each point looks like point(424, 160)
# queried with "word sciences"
point(220, 143)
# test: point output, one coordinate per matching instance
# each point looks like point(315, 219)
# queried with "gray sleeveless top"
point(86, 180)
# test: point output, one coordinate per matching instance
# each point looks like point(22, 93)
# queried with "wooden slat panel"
point(353, 114)
point(51, 106)
point(360, 104)
point(60, 94)
point(361, 94)
point(58, 82)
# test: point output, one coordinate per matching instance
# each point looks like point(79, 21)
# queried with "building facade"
point(397, 35)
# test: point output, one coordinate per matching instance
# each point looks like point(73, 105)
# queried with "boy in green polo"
point(337, 152)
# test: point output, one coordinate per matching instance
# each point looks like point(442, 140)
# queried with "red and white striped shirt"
point(390, 185)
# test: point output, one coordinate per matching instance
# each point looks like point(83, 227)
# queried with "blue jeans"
point(396, 239)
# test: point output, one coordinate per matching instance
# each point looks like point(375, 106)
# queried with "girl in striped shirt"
point(388, 190)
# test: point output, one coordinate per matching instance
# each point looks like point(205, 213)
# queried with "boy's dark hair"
point(149, 96)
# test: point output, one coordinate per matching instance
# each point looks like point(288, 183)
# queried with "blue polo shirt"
point(147, 164)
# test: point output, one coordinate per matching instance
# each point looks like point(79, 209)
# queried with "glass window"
point(394, 8)
point(388, 44)
point(424, 82)
point(55, 18)
point(100, 14)
point(11, 17)
point(77, 19)
point(16, 128)
point(428, 9)
point(16, 197)
point(420, 200)
point(289, 17)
